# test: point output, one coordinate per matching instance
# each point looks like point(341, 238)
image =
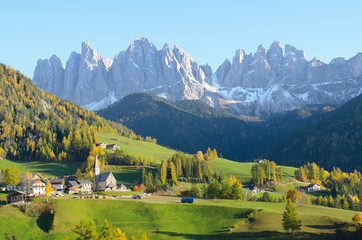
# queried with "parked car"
point(187, 200)
point(137, 196)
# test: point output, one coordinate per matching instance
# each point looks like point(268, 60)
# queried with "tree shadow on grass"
point(45, 221)
point(267, 235)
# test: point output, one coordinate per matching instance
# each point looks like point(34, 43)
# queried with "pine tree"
point(291, 220)
point(163, 176)
point(107, 231)
point(173, 174)
point(86, 231)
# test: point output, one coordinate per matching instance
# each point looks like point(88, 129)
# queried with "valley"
point(185, 120)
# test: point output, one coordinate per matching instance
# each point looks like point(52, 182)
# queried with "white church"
point(103, 181)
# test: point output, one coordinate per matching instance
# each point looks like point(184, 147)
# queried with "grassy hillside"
point(158, 221)
point(242, 170)
point(46, 169)
point(138, 148)
point(205, 219)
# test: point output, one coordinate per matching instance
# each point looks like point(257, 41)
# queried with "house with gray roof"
point(79, 186)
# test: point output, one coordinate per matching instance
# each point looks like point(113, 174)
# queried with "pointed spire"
point(96, 167)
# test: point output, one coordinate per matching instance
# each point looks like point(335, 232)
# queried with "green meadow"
point(138, 148)
point(166, 218)
point(125, 174)
point(46, 169)
point(242, 170)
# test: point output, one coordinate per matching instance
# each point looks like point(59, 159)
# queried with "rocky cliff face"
point(267, 82)
point(275, 82)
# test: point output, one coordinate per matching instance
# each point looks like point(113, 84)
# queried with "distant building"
point(58, 184)
point(258, 160)
point(103, 181)
point(101, 145)
point(79, 186)
point(314, 187)
point(113, 147)
point(37, 187)
point(15, 197)
point(32, 183)
point(86, 186)
point(123, 188)
point(72, 187)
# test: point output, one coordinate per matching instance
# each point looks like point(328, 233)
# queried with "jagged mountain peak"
point(255, 84)
point(291, 51)
point(239, 55)
point(275, 45)
point(141, 44)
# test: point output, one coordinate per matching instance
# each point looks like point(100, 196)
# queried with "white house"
point(37, 187)
point(32, 183)
point(314, 187)
point(86, 186)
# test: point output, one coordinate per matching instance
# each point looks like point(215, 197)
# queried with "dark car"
point(187, 200)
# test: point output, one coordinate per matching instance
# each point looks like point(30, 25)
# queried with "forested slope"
point(35, 125)
point(333, 140)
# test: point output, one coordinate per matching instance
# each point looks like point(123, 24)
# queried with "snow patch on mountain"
point(263, 83)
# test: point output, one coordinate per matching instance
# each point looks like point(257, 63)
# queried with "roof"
point(23, 175)
point(73, 183)
point(104, 176)
point(84, 182)
point(17, 193)
point(56, 180)
point(312, 184)
point(33, 181)
point(111, 145)
point(111, 185)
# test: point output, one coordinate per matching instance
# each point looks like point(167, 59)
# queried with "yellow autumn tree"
point(357, 218)
point(48, 190)
point(119, 235)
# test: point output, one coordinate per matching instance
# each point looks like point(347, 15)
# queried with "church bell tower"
point(96, 172)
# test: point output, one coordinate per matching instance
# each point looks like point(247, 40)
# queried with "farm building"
point(314, 187)
point(31, 183)
point(58, 184)
point(15, 197)
point(101, 145)
point(113, 147)
point(86, 186)
point(79, 186)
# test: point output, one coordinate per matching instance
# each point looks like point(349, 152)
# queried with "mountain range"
point(192, 125)
point(261, 84)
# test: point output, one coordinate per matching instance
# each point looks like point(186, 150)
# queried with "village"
point(33, 185)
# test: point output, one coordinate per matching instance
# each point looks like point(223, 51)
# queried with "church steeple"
point(96, 172)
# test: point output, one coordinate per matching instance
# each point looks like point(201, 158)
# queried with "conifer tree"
point(291, 220)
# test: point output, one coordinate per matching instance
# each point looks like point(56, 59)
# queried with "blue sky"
point(210, 31)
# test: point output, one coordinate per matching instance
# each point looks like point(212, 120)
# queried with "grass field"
point(242, 170)
point(125, 174)
point(138, 148)
point(46, 169)
point(165, 218)
point(158, 221)
point(287, 187)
